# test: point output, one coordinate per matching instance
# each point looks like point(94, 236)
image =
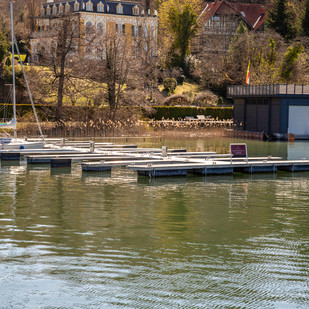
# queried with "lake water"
point(112, 240)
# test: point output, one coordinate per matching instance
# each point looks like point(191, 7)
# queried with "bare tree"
point(59, 52)
point(126, 66)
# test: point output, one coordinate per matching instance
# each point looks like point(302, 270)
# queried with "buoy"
point(22, 147)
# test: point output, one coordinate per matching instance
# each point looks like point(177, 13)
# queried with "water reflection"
point(75, 240)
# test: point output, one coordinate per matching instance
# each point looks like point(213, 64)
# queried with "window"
point(100, 28)
point(134, 31)
point(60, 9)
point(42, 11)
point(216, 20)
point(48, 10)
point(88, 27)
point(76, 6)
point(54, 10)
point(67, 8)
point(135, 10)
point(89, 6)
point(100, 8)
point(123, 29)
point(152, 31)
point(119, 8)
point(145, 31)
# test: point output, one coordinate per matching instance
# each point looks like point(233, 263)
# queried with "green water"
point(112, 240)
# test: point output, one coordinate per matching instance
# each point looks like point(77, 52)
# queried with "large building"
point(219, 20)
point(97, 17)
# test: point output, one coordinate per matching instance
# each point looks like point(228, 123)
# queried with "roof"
point(109, 6)
point(254, 15)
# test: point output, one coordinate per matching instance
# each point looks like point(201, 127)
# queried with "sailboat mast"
point(13, 70)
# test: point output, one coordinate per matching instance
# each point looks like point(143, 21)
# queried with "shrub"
point(205, 99)
point(177, 99)
point(170, 85)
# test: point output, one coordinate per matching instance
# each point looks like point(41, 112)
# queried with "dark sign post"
point(238, 151)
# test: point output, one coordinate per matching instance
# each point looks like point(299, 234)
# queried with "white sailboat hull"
point(19, 143)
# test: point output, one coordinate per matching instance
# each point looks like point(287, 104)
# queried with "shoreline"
point(124, 129)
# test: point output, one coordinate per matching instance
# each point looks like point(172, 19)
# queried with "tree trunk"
point(112, 100)
point(63, 54)
point(60, 91)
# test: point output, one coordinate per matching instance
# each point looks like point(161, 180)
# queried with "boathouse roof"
point(267, 90)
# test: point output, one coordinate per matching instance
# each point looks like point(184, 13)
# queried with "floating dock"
point(219, 168)
point(150, 162)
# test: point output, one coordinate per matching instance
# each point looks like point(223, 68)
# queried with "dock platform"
point(151, 162)
point(219, 168)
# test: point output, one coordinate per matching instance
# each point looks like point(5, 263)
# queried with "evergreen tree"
point(242, 29)
point(305, 23)
point(184, 26)
point(238, 56)
point(289, 60)
point(272, 53)
point(282, 18)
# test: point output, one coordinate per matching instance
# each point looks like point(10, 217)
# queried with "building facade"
point(219, 20)
point(94, 18)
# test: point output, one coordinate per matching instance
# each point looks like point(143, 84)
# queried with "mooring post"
point(164, 151)
point(62, 142)
point(92, 146)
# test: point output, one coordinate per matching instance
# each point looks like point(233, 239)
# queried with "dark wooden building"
point(278, 110)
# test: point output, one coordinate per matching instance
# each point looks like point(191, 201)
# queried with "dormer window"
point(119, 9)
point(100, 7)
point(135, 10)
point(54, 10)
point(42, 11)
point(89, 6)
point(76, 6)
point(60, 8)
point(67, 8)
point(48, 10)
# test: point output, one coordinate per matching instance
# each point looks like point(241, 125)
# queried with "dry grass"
point(103, 128)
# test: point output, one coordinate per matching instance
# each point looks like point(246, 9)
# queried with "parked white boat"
point(19, 143)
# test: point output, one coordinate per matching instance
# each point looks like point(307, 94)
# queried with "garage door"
point(299, 120)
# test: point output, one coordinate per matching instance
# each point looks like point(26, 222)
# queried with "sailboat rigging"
point(17, 143)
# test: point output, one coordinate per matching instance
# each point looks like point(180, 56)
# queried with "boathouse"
point(276, 110)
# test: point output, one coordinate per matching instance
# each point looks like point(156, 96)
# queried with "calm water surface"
point(112, 240)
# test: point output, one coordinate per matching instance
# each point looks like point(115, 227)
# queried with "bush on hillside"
point(170, 85)
point(177, 99)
